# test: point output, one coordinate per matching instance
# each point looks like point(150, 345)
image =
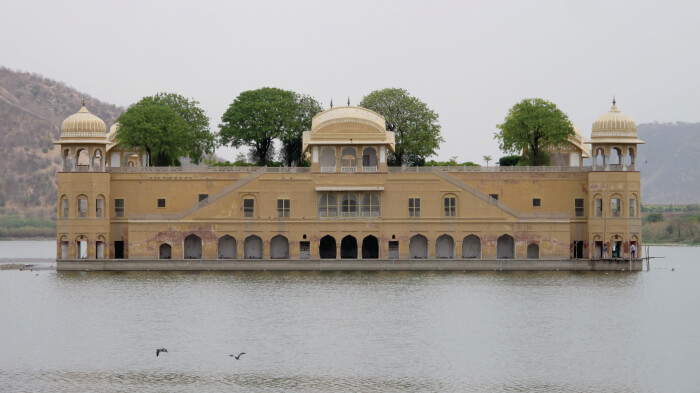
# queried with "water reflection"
point(336, 331)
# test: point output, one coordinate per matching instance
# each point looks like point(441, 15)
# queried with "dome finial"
point(331, 103)
point(348, 100)
point(83, 101)
point(614, 102)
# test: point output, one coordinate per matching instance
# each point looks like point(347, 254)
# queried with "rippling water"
point(363, 332)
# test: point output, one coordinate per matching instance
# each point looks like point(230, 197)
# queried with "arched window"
point(82, 206)
point(83, 160)
point(505, 247)
point(100, 247)
point(348, 205)
point(327, 205)
point(471, 247)
point(369, 159)
point(633, 206)
point(193, 247)
point(227, 247)
point(279, 247)
point(252, 248)
point(615, 156)
point(348, 160)
point(533, 251)
point(616, 205)
point(165, 251)
point(418, 247)
point(65, 209)
point(97, 163)
point(64, 247)
point(328, 159)
point(100, 206)
point(449, 202)
point(370, 206)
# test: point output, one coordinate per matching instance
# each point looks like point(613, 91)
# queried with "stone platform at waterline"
point(351, 264)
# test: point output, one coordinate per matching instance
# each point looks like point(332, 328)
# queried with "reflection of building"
point(348, 205)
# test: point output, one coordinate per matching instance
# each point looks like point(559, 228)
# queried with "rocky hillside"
point(32, 109)
point(670, 163)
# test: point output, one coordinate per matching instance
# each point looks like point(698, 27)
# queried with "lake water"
point(351, 332)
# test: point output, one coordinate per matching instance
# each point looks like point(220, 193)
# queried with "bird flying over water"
point(237, 356)
point(159, 350)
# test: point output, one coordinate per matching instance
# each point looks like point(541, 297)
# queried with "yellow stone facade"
point(349, 204)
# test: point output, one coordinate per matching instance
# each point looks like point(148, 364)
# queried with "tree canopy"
point(257, 117)
point(198, 140)
point(534, 125)
point(292, 140)
point(416, 127)
point(155, 128)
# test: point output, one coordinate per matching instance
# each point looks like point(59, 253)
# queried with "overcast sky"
point(468, 60)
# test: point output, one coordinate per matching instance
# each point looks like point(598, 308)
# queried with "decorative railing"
point(328, 169)
point(348, 169)
point(369, 168)
point(208, 169)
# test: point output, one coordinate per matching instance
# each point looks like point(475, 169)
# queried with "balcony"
point(348, 169)
point(328, 169)
point(369, 168)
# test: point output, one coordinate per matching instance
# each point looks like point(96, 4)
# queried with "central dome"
point(82, 122)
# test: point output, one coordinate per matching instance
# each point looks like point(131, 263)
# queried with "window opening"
point(161, 202)
point(578, 207)
point(119, 208)
point(450, 204)
point(414, 207)
point(283, 208)
point(248, 207)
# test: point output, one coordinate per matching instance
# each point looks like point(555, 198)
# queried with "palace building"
point(349, 205)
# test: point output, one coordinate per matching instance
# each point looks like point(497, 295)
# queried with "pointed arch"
point(165, 251)
point(348, 247)
point(418, 247)
point(505, 247)
point(445, 247)
point(279, 247)
point(227, 247)
point(327, 248)
point(471, 247)
point(252, 247)
point(370, 247)
point(193, 247)
point(533, 251)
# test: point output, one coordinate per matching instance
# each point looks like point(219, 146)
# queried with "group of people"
point(633, 251)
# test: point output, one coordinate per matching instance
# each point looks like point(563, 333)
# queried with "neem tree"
point(181, 130)
point(416, 127)
point(534, 125)
point(257, 117)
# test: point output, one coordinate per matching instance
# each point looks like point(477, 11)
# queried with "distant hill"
point(669, 162)
point(32, 109)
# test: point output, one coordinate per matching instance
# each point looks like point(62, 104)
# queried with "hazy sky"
point(469, 61)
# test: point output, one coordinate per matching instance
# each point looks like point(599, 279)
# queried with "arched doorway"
point(227, 247)
point(327, 249)
point(252, 248)
point(418, 247)
point(64, 247)
point(193, 247)
point(533, 251)
point(279, 247)
point(370, 247)
point(471, 247)
point(165, 251)
point(348, 247)
point(444, 247)
point(505, 247)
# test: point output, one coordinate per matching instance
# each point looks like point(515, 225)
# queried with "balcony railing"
point(369, 168)
point(348, 169)
point(328, 169)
